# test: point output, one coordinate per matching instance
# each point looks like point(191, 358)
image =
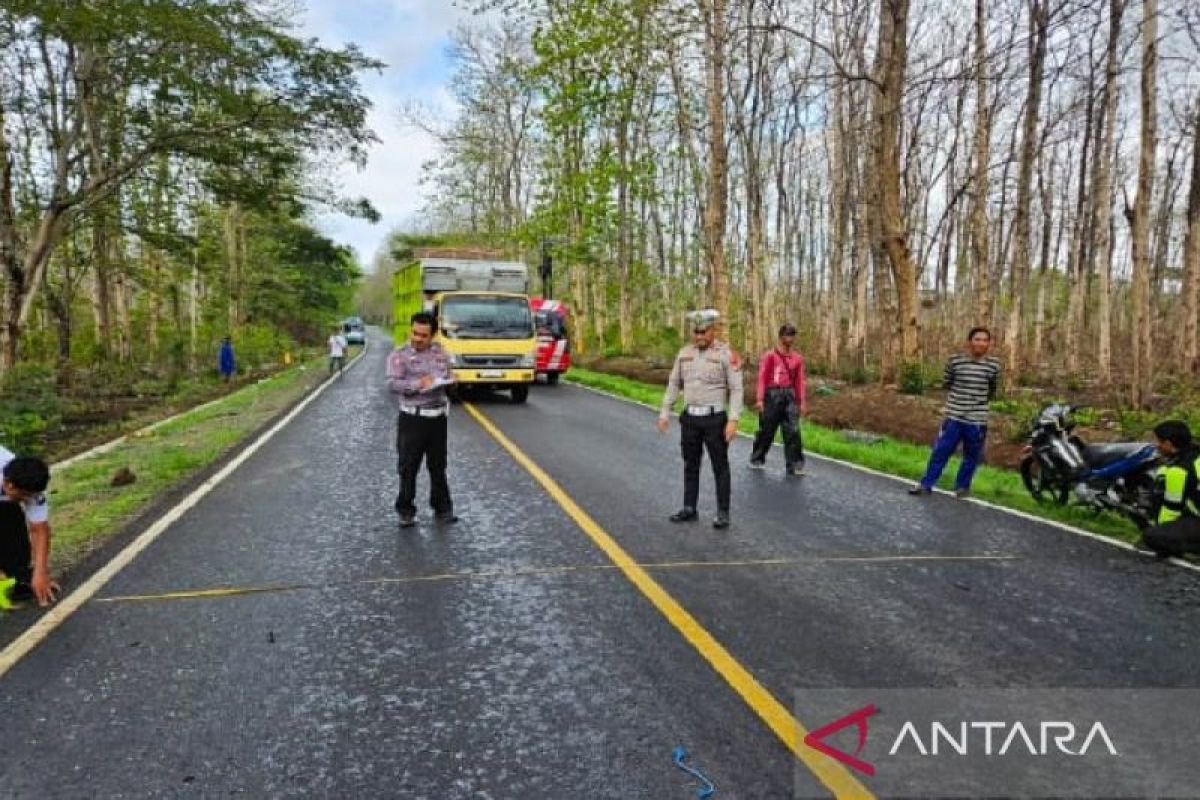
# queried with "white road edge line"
point(38, 632)
point(1003, 509)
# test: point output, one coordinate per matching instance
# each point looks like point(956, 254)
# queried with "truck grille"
point(491, 361)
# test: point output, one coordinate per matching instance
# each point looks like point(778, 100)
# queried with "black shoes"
point(795, 470)
point(757, 464)
point(962, 494)
point(685, 514)
point(407, 520)
point(919, 489)
point(721, 520)
point(445, 517)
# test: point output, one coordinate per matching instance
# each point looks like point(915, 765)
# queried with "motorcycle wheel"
point(1043, 486)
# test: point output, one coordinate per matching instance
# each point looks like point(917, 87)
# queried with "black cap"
point(787, 329)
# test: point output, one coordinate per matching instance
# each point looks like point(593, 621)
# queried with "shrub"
point(29, 406)
point(862, 375)
point(912, 378)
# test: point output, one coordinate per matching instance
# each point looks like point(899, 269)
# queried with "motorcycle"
point(1106, 477)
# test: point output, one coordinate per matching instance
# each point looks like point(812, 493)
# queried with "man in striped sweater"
point(971, 379)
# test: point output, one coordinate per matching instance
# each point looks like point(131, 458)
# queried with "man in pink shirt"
point(781, 401)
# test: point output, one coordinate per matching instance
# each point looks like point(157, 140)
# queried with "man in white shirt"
point(337, 350)
point(24, 531)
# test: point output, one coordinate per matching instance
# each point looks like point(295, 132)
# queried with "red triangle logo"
point(815, 739)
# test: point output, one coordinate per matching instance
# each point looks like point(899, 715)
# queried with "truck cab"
point(554, 344)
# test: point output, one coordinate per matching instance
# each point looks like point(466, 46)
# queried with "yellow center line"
point(789, 730)
point(234, 591)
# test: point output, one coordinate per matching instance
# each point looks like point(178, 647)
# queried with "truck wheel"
point(454, 394)
point(551, 378)
point(520, 393)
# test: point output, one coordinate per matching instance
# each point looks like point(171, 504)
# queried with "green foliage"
point(29, 406)
point(258, 347)
point(1021, 408)
point(658, 344)
point(912, 378)
point(860, 375)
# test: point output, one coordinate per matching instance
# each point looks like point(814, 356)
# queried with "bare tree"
point(1139, 215)
point(891, 62)
point(1039, 23)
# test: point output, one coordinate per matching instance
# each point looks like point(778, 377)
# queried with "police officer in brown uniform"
point(709, 374)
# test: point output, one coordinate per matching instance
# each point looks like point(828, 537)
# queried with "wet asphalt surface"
point(503, 656)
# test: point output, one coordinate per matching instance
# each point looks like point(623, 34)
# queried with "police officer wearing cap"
point(708, 373)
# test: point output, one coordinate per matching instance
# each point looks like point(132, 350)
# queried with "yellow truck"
point(483, 319)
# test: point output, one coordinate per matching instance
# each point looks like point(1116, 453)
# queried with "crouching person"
point(24, 532)
point(1178, 524)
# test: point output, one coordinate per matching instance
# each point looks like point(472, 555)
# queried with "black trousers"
point(422, 438)
point(698, 434)
point(779, 410)
point(16, 553)
point(1174, 538)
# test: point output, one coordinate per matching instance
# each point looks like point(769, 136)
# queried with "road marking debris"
point(234, 591)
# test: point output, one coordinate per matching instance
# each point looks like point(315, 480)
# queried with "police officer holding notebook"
point(419, 373)
point(708, 373)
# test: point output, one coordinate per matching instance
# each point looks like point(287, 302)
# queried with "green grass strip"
point(905, 459)
point(86, 509)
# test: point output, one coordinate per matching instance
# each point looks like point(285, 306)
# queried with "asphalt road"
point(506, 657)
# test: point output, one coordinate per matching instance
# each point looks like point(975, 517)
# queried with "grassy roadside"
point(86, 509)
point(1000, 486)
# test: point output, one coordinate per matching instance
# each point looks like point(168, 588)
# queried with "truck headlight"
point(528, 360)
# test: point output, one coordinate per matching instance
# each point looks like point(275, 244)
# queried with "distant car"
point(354, 330)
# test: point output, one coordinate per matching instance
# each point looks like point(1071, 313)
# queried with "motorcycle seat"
point(1099, 455)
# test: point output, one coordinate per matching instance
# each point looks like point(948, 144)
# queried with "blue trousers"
point(953, 431)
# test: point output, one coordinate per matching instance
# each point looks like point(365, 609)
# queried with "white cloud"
point(411, 36)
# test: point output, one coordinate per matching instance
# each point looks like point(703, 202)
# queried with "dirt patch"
point(882, 409)
point(110, 417)
point(870, 407)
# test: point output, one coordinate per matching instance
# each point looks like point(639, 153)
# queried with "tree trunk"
point(1101, 199)
point(840, 205)
point(1019, 271)
point(233, 253)
point(1077, 270)
point(194, 315)
point(892, 60)
point(1047, 204)
point(980, 248)
point(1191, 257)
point(718, 190)
point(624, 290)
point(101, 284)
point(1143, 378)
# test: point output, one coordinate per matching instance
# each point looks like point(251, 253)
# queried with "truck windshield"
point(486, 317)
point(549, 324)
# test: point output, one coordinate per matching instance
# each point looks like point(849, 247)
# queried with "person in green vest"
point(1177, 528)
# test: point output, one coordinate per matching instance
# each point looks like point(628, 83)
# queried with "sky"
point(412, 37)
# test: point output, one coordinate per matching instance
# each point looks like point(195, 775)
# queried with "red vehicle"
point(554, 346)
